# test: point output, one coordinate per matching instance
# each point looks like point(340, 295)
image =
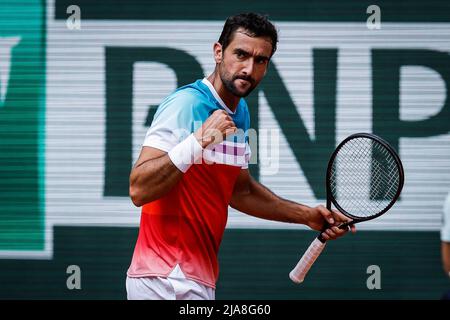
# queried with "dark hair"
point(255, 24)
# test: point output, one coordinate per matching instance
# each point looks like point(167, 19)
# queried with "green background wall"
point(78, 103)
point(254, 265)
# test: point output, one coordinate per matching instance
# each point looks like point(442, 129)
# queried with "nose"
point(248, 67)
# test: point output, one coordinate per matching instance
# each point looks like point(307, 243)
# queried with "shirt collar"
point(216, 95)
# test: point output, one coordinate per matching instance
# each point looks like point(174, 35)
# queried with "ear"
point(267, 68)
point(218, 53)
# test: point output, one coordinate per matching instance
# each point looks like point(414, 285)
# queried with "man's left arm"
point(251, 197)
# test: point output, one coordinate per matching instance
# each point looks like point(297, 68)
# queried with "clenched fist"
point(215, 129)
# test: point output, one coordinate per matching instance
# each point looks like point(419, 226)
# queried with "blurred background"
point(80, 83)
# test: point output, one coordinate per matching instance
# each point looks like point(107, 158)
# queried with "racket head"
point(371, 172)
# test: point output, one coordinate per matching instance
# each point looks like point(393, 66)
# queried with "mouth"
point(243, 82)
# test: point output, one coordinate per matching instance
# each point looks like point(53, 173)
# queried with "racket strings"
point(364, 158)
point(378, 179)
point(364, 177)
point(380, 175)
point(388, 172)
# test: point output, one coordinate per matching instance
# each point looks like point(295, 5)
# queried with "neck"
point(228, 98)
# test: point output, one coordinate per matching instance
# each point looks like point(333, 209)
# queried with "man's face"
point(244, 62)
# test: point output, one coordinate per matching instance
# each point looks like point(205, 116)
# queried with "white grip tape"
point(301, 269)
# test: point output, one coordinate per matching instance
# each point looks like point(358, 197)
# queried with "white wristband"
point(186, 153)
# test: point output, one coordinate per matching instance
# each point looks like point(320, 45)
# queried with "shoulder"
point(243, 105)
point(245, 114)
point(184, 100)
point(185, 96)
point(244, 108)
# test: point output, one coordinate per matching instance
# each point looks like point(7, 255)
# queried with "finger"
point(216, 134)
point(340, 217)
point(209, 140)
point(338, 231)
point(219, 112)
point(227, 118)
point(325, 236)
point(225, 114)
point(342, 225)
point(326, 214)
point(230, 123)
point(353, 228)
point(230, 130)
point(331, 233)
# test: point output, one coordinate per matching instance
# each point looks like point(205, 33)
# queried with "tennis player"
point(445, 242)
point(194, 163)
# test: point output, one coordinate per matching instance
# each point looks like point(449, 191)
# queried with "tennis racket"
point(364, 180)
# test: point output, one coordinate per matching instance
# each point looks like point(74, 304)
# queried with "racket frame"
point(393, 153)
point(300, 271)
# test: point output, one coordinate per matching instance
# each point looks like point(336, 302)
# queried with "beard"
point(228, 81)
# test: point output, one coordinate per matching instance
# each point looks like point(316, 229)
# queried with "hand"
point(215, 128)
point(319, 216)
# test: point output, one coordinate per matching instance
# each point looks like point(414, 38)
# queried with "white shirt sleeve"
point(445, 231)
point(160, 135)
point(171, 124)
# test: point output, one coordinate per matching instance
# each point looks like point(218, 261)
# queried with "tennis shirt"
point(185, 226)
point(445, 230)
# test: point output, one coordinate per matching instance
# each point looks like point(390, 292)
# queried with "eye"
point(241, 54)
point(260, 60)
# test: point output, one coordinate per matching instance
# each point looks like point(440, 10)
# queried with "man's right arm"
point(445, 250)
point(153, 175)
point(156, 172)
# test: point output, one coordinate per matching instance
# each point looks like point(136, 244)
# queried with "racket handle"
point(301, 269)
